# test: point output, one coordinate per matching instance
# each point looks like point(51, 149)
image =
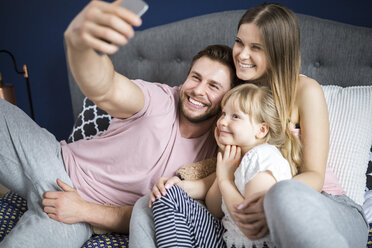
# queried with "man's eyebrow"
point(217, 83)
point(195, 72)
point(210, 81)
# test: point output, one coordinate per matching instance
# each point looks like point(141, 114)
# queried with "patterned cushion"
point(90, 122)
point(369, 243)
point(12, 207)
point(107, 240)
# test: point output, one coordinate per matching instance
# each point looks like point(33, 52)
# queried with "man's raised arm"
point(96, 31)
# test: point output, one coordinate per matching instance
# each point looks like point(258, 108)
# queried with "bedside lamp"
point(7, 91)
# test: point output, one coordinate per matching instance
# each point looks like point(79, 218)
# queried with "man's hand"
point(102, 26)
point(250, 216)
point(66, 207)
point(160, 188)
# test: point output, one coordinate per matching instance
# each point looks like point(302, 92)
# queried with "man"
point(156, 130)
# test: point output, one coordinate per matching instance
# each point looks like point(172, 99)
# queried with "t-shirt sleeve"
point(264, 160)
point(159, 98)
point(276, 164)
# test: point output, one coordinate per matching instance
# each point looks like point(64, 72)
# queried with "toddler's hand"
point(216, 135)
point(228, 162)
point(161, 187)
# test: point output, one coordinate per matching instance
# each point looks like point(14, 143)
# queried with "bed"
point(337, 55)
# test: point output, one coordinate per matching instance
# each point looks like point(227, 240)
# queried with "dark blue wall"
point(33, 32)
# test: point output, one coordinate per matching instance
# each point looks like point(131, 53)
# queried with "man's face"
point(202, 92)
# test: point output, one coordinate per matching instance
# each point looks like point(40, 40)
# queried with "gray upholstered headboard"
point(332, 52)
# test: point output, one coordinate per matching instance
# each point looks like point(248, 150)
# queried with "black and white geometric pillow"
point(90, 122)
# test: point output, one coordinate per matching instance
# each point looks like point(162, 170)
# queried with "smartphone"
point(138, 7)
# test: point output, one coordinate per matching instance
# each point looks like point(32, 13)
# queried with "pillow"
point(90, 122)
point(369, 172)
point(350, 115)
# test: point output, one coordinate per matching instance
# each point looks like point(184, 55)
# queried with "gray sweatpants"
point(297, 216)
point(142, 229)
point(30, 163)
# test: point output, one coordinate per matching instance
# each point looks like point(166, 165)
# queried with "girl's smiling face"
point(248, 53)
point(238, 128)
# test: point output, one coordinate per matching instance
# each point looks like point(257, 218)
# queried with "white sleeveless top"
point(263, 157)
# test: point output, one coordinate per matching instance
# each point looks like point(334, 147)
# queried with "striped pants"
point(180, 221)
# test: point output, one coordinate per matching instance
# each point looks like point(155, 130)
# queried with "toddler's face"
point(237, 128)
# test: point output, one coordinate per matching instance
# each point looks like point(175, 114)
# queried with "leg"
point(24, 149)
point(31, 161)
point(298, 216)
point(142, 230)
point(182, 222)
point(35, 229)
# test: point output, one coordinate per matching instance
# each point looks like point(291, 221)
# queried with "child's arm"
point(196, 189)
point(213, 200)
point(231, 195)
point(226, 165)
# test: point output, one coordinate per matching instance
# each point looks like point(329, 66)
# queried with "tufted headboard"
point(332, 52)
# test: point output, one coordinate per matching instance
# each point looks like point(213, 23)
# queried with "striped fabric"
point(180, 221)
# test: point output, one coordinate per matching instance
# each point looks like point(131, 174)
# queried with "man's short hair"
point(219, 53)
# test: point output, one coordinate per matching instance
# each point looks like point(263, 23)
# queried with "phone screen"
point(138, 7)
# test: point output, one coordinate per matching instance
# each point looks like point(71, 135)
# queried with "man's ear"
point(262, 131)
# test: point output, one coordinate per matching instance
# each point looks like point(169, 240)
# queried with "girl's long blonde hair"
point(257, 102)
point(281, 42)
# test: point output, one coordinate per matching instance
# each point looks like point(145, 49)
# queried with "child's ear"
point(262, 132)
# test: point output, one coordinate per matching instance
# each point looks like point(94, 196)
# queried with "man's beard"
point(211, 113)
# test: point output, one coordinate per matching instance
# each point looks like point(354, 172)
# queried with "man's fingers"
point(100, 45)
point(52, 216)
point(48, 202)
point(114, 24)
point(64, 186)
point(50, 210)
point(52, 194)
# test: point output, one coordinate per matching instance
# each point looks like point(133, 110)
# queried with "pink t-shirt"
point(122, 164)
